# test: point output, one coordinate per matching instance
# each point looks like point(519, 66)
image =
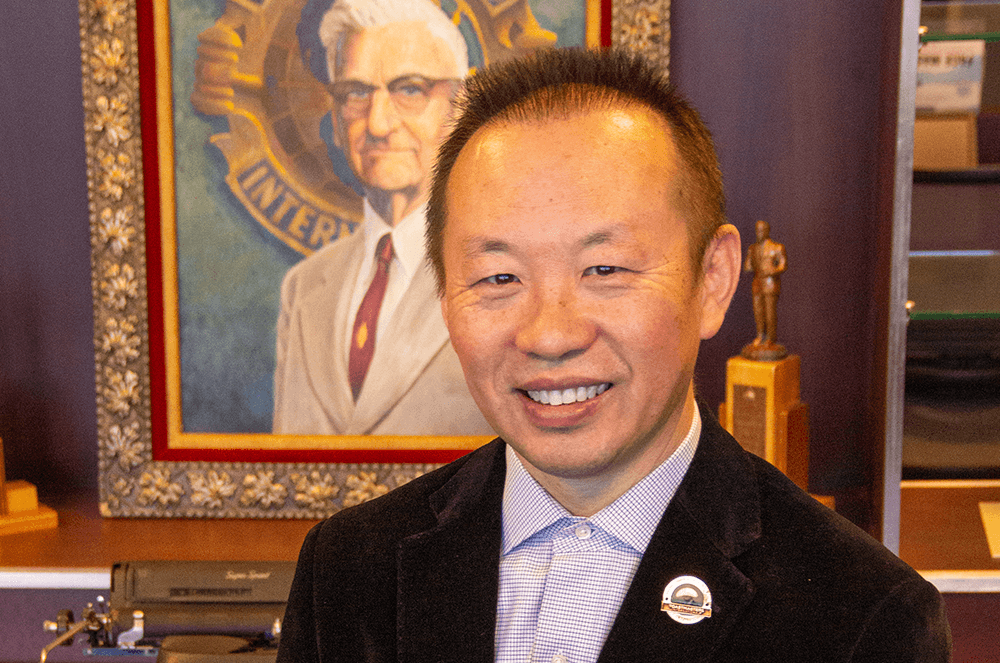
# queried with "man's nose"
point(555, 327)
point(383, 117)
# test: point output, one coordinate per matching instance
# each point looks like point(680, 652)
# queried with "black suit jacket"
point(412, 576)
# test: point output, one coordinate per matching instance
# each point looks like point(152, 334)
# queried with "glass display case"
point(951, 419)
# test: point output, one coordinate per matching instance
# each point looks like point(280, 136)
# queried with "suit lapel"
point(417, 335)
point(325, 337)
point(713, 517)
point(643, 632)
point(448, 575)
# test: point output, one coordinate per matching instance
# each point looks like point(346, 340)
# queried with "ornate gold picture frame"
point(151, 461)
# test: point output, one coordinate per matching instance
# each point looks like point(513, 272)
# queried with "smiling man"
point(577, 230)
point(577, 313)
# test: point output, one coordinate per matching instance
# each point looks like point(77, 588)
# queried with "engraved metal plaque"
point(750, 418)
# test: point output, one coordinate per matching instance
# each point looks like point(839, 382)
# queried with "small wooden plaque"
point(750, 418)
point(763, 412)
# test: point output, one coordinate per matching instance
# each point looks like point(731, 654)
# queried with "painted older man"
point(362, 348)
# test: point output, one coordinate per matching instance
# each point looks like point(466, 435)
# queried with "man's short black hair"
point(560, 83)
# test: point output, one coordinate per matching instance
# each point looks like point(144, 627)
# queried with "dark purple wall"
point(794, 93)
point(47, 414)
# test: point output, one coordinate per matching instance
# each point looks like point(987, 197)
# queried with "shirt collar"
point(407, 236)
point(528, 508)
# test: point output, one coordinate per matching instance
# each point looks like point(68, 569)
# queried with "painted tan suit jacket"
point(414, 384)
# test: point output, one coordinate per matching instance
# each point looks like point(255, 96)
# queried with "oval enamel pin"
point(687, 600)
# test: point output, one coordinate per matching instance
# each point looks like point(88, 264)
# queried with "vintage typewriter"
point(184, 612)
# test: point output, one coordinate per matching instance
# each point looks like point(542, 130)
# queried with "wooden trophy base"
point(763, 412)
point(24, 513)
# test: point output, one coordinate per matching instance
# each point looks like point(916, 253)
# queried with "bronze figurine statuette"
point(766, 259)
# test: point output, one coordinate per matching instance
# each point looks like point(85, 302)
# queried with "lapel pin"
point(687, 600)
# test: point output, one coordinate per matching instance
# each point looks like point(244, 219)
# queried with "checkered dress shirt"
point(562, 577)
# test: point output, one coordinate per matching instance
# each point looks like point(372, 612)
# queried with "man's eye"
point(601, 270)
point(350, 93)
point(410, 90)
point(357, 94)
point(500, 279)
point(409, 87)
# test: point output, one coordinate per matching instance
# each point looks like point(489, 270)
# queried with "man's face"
point(392, 96)
point(568, 280)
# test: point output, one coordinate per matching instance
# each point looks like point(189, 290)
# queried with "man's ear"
point(720, 275)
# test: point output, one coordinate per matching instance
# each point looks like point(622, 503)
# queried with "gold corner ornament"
point(249, 69)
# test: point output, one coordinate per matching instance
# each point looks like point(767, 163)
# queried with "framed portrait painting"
point(242, 155)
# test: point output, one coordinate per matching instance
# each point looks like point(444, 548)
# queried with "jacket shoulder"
point(822, 588)
point(413, 507)
point(836, 586)
point(790, 516)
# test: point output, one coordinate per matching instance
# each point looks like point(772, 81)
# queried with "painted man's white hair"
point(350, 16)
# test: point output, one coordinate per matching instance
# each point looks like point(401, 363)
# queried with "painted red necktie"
point(366, 322)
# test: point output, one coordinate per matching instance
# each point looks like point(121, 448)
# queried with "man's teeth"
point(567, 396)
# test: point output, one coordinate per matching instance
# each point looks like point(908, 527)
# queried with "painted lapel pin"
point(687, 600)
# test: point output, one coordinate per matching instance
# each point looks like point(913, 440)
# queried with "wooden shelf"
point(942, 535)
point(84, 539)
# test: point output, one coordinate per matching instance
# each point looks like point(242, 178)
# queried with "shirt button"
point(583, 531)
point(559, 658)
